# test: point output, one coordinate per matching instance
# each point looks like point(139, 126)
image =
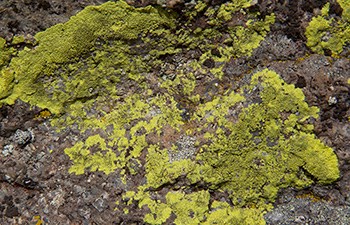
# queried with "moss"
point(328, 33)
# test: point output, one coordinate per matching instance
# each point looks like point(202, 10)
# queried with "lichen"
point(55, 74)
point(269, 143)
point(82, 158)
point(7, 78)
point(188, 207)
point(7, 83)
point(256, 150)
point(329, 33)
point(5, 52)
point(222, 213)
point(226, 10)
point(96, 74)
point(194, 208)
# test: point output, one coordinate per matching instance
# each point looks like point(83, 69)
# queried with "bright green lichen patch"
point(82, 158)
point(145, 120)
point(327, 33)
point(222, 213)
point(98, 74)
point(6, 80)
point(226, 10)
point(6, 75)
point(188, 207)
point(240, 38)
point(262, 142)
point(5, 52)
point(159, 171)
point(9, 49)
point(194, 208)
point(59, 70)
point(345, 4)
point(268, 143)
point(229, 39)
point(80, 59)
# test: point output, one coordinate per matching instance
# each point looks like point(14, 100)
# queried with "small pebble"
point(7, 150)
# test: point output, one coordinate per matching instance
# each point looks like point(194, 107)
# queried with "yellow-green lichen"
point(132, 111)
point(103, 160)
point(226, 10)
point(5, 52)
point(263, 142)
point(7, 83)
point(194, 208)
point(56, 73)
point(269, 143)
point(189, 208)
point(345, 4)
point(95, 73)
point(327, 33)
point(18, 40)
point(80, 59)
point(222, 213)
point(7, 78)
point(160, 171)
point(237, 40)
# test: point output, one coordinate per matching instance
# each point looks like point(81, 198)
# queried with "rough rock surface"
point(36, 185)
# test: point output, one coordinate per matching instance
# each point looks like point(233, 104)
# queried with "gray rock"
point(23, 137)
point(7, 150)
point(306, 211)
point(100, 204)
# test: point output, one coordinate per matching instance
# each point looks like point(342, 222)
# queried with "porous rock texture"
point(174, 112)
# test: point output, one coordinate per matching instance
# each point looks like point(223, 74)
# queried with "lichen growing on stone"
point(269, 142)
point(82, 158)
point(194, 208)
point(97, 73)
point(328, 33)
point(5, 52)
point(55, 73)
point(268, 146)
point(7, 83)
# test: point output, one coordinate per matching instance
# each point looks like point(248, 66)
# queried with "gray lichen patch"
point(184, 148)
point(23, 137)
